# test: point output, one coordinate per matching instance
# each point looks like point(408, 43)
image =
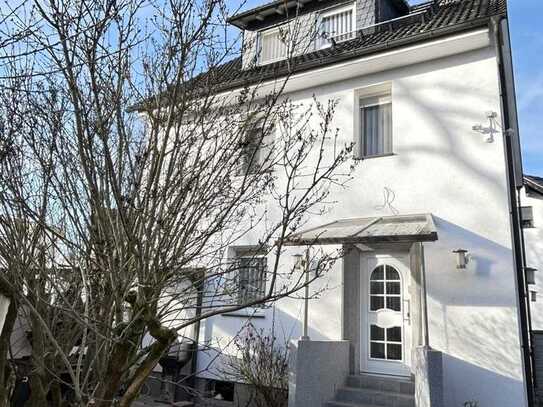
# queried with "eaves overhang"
point(534, 184)
point(284, 8)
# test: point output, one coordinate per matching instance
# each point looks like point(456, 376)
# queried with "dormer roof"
point(280, 10)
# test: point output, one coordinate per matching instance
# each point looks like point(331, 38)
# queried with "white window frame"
point(364, 101)
point(320, 42)
point(259, 40)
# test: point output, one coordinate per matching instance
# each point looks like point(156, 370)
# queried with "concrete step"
point(363, 396)
point(391, 384)
point(345, 404)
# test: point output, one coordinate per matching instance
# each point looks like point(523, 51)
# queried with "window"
point(251, 275)
point(527, 217)
point(375, 119)
point(219, 390)
point(337, 25)
point(251, 146)
point(272, 45)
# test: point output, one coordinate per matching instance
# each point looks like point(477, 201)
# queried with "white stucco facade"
point(439, 166)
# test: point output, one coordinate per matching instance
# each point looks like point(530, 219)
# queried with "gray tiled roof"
point(450, 15)
point(534, 183)
point(427, 21)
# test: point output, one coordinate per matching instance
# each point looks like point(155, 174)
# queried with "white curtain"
point(377, 130)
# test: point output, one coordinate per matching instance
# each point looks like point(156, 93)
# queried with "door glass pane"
point(377, 303)
point(392, 274)
point(394, 334)
point(377, 350)
point(394, 352)
point(393, 288)
point(394, 303)
point(377, 287)
point(378, 273)
point(377, 333)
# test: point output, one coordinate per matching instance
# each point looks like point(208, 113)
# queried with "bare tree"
point(261, 361)
point(132, 169)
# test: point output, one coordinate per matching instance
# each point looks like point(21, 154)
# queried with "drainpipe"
point(424, 299)
point(194, 361)
point(518, 248)
point(305, 336)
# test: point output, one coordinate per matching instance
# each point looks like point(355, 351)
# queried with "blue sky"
point(527, 42)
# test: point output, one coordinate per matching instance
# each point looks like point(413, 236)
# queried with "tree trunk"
point(143, 371)
point(5, 368)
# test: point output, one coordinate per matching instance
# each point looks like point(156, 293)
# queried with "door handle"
point(407, 311)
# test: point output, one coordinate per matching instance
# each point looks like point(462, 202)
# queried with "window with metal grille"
point(527, 217)
point(273, 45)
point(336, 25)
point(251, 277)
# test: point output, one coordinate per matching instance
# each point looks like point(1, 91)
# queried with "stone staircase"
point(366, 390)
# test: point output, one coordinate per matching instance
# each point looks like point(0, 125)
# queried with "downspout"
point(424, 298)
point(194, 360)
point(518, 248)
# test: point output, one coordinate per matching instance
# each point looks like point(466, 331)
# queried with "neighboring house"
point(427, 306)
point(532, 222)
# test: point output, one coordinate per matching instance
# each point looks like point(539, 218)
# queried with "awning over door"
point(385, 229)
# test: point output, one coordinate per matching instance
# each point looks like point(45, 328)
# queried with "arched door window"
point(385, 294)
point(385, 289)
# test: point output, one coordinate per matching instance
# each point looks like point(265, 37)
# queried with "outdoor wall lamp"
point(462, 258)
point(530, 275)
point(489, 130)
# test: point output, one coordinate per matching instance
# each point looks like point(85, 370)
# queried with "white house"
point(532, 223)
point(428, 307)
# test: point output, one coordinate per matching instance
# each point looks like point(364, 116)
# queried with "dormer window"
point(336, 25)
point(272, 45)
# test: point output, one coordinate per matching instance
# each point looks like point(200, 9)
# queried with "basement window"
point(220, 390)
point(527, 217)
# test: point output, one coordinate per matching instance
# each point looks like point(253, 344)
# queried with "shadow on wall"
point(496, 390)
point(487, 281)
point(473, 318)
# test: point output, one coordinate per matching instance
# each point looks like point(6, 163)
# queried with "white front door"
point(385, 326)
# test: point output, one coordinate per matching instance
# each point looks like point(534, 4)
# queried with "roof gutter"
point(501, 37)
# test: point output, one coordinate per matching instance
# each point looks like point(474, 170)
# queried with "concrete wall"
point(319, 368)
point(429, 382)
point(439, 166)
